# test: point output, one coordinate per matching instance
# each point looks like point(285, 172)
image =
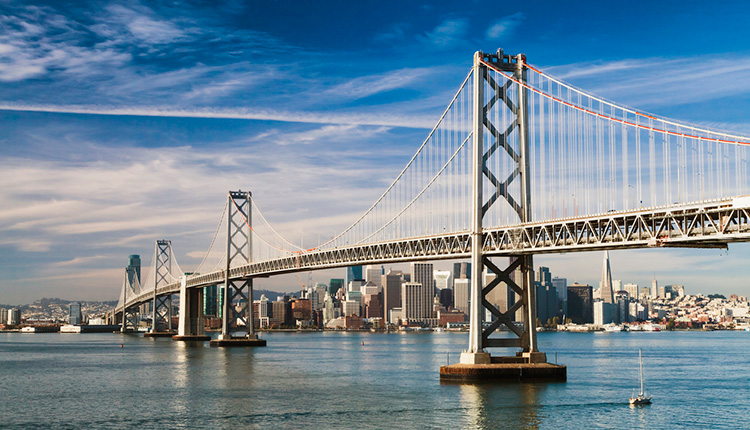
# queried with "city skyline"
point(128, 123)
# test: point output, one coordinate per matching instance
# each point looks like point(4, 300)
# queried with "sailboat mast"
point(640, 360)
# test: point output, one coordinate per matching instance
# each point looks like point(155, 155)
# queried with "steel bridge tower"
point(482, 122)
point(239, 250)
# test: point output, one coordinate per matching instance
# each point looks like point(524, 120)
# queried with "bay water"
point(343, 380)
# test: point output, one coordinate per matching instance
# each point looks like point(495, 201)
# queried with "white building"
point(461, 289)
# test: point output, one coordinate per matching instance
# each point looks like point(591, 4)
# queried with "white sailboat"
point(641, 398)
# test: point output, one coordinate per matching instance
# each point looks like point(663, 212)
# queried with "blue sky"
point(126, 122)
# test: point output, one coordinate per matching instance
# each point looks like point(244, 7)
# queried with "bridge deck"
point(706, 224)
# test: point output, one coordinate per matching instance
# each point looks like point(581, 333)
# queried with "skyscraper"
point(334, 285)
point(461, 294)
point(210, 300)
point(74, 314)
point(413, 301)
point(373, 274)
point(422, 273)
point(605, 286)
point(391, 283)
point(580, 303)
point(462, 270)
point(134, 269)
point(353, 273)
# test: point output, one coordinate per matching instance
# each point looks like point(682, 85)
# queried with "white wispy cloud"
point(368, 85)
point(504, 27)
point(330, 117)
point(448, 34)
point(657, 82)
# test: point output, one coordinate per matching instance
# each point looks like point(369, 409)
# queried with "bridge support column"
point(191, 325)
point(238, 292)
point(487, 138)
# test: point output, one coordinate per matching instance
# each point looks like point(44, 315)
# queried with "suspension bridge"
point(519, 163)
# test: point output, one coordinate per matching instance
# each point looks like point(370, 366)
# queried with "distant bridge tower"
point(513, 139)
point(129, 316)
point(240, 251)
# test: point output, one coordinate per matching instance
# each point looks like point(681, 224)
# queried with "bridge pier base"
point(191, 326)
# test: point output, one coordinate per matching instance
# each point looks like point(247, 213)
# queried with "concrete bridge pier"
point(191, 326)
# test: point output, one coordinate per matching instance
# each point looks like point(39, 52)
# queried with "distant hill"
point(271, 295)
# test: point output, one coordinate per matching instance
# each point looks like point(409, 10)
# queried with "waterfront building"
point(461, 289)
point(3, 316)
point(580, 303)
point(604, 313)
point(391, 283)
point(412, 298)
point(546, 302)
point(319, 294)
point(262, 311)
point(422, 273)
point(396, 315)
point(302, 310)
point(280, 312)
point(561, 285)
point(75, 317)
point(350, 307)
point(373, 307)
point(606, 291)
point(210, 300)
point(353, 273)
point(443, 279)
point(355, 296)
point(14, 316)
point(446, 298)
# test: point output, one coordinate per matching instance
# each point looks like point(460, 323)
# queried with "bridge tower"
point(239, 252)
point(128, 319)
point(161, 316)
point(513, 139)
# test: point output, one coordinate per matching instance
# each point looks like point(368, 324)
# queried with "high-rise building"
point(580, 303)
point(334, 285)
point(654, 289)
point(461, 288)
point(412, 298)
point(462, 270)
point(632, 290)
point(373, 274)
point(617, 285)
point(14, 316)
point(134, 269)
point(443, 279)
point(543, 276)
point(422, 273)
point(74, 314)
point(605, 286)
point(3, 316)
point(546, 302)
point(353, 273)
point(604, 313)
point(561, 285)
point(350, 307)
point(391, 283)
point(210, 300)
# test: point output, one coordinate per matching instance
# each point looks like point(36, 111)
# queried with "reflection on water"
point(502, 404)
